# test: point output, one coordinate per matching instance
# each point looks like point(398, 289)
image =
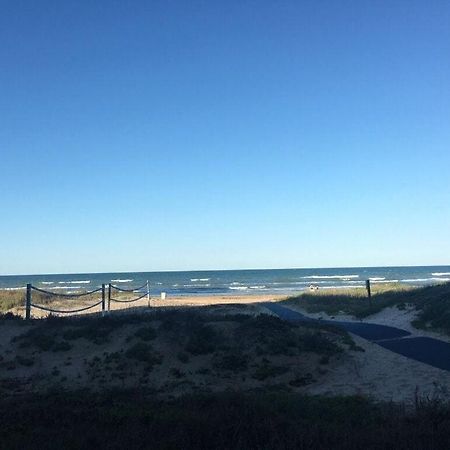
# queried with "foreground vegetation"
point(211, 378)
point(133, 419)
point(431, 302)
point(169, 351)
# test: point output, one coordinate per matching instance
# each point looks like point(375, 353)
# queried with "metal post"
point(148, 295)
point(28, 303)
point(369, 294)
point(103, 300)
point(109, 297)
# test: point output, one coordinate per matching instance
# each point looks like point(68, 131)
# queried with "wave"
point(421, 280)
point(121, 281)
point(200, 279)
point(13, 288)
point(385, 281)
point(64, 287)
point(257, 287)
point(440, 274)
point(238, 288)
point(326, 277)
point(377, 278)
point(47, 282)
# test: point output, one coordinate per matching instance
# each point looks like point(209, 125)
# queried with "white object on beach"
point(163, 295)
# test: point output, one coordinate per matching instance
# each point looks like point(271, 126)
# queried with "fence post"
point(28, 303)
point(103, 300)
point(148, 295)
point(369, 294)
point(109, 298)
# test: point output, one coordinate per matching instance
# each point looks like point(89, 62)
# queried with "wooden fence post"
point(28, 303)
point(148, 295)
point(103, 300)
point(109, 298)
point(369, 294)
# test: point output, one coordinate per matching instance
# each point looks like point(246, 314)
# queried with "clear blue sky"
point(164, 135)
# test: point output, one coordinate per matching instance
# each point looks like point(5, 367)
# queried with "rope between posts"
point(56, 294)
point(117, 288)
point(65, 312)
point(129, 301)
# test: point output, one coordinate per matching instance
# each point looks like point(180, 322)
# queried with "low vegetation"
point(431, 302)
point(172, 352)
point(133, 419)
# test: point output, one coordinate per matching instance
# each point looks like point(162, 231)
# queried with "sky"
point(174, 135)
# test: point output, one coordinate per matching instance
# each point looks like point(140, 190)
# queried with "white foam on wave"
point(331, 277)
point(258, 287)
point(385, 281)
point(440, 274)
point(196, 285)
point(64, 287)
point(377, 278)
point(238, 288)
point(199, 279)
point(121, 281)
point(47, 282)
point(13, 288)
point(421, 280)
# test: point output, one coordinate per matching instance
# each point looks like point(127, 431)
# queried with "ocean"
point(211, 282)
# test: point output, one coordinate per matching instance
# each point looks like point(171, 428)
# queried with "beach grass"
point(431, 302)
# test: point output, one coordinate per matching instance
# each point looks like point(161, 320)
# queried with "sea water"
point(211, 282)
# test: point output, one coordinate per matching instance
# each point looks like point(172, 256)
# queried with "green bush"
point(146, 333)
point(144, 353)
point(233, 360)
point(268, 370)
point(203, 339)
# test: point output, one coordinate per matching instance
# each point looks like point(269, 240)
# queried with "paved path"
point(424, 349)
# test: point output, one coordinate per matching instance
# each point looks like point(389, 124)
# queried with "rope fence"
point(117, 288)
point(60, 311)
point(105, 308)
point(56, 294)
point(111, 287)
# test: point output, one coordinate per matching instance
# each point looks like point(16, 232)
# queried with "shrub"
point(268, 370)
point(62, 346)
point(183, 357)
point(235, 361)
point(144, 352)
point(23, 361)
point(203, 340)
point(146, 333)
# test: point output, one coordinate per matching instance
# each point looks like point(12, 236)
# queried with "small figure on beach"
point(313, 287)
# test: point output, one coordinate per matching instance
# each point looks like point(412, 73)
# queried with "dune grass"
point(11, 299)
point(431, 302)
point(16, 298)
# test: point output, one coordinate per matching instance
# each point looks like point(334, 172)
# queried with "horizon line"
point(219, 270)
